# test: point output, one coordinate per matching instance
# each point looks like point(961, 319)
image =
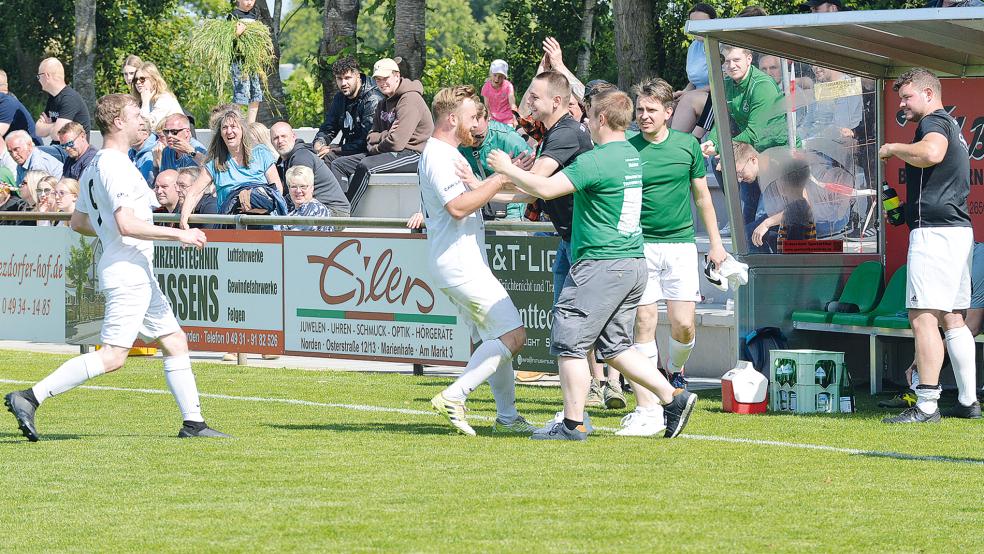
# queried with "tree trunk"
point(586, 36)
point(84, 55)
point(633, 40)
point(409, 29)
point(339, 26)
point(273, 108)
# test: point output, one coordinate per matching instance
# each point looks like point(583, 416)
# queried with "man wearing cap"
point(499, 94)
point(400, 129)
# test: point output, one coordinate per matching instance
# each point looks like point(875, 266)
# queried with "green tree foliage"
point(304, 99)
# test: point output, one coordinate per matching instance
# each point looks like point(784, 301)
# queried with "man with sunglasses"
point(80, 152)
point(181, 150)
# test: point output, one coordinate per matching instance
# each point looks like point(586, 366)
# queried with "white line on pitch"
point(408, 411)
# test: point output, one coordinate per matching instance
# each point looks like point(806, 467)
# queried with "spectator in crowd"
point(179, 148)
point(207, 204)
point(491, 135)
point(29, 157)
point(7, 163)
point(294, 152)
point(825, 6)
point(15, 117)
point(244, 173)
point(552, 60)
point(246, 90)
point(300, 183)
point(500, 98)
point(28, 189)
point(797, 221)
point(752, 11)
point(352, 111)
point(261, 135)
point(130, 65)
point(64, 104)
point(80, 152)
point(401, 127)
point(44, 198)
point(11, 203)
point(691, 101)
point(835, 118)
point(142, 152)
point(771, 66)
point(66, 194)
point(166, 191)
point(150, 90)
point(4, 87)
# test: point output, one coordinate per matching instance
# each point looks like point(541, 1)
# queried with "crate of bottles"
point(806, 381)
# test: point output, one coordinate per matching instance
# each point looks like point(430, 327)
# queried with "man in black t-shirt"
point(64, 105)
point(941, 241)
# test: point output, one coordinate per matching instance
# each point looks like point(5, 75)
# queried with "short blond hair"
point(300, 175)
point(109, 107)
point(616, 106)
point(449, 99)
point(743, 152)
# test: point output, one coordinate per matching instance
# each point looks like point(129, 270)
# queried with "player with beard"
point(456, 239)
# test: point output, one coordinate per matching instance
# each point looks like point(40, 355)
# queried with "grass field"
point(329, 474)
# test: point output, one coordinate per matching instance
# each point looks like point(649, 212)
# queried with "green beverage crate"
point(795, 373)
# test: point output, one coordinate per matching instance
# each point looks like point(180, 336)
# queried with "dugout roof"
point(876, 44)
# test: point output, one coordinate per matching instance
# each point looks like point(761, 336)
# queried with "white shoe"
point(559, 417)
point(640, 423)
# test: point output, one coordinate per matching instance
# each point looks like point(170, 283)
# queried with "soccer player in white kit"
point(115, 205)
point(456, 239)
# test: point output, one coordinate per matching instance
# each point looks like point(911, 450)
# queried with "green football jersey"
point(667, 169)
point(607, 203)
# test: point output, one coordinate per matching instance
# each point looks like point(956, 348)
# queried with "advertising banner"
point(524, 266)
point(227, 296)
point(368, 296)
point(961, 99)
point(32, 283)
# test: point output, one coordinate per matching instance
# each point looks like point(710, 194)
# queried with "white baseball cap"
point(499, 66)
point(385, 67)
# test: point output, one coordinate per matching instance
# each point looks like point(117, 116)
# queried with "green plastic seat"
point(862, 289)
point(886, 313)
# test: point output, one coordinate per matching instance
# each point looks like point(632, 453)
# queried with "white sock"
point(679, 354)
point(649, 350)
point(926, 397)
point(69, 375)
point(503, 383)
point(960, 346)
point(482, 364)
point(181, 381)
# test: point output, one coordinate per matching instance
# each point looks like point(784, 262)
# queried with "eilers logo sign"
point(384, 282)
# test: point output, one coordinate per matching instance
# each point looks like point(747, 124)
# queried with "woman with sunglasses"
point(152, 93)
point(66, 194)
point(37, 190)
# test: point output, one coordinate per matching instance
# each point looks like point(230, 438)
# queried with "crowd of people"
point(616, 175)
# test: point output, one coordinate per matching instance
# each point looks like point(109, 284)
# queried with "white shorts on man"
point(938, 268)
point(458, 263)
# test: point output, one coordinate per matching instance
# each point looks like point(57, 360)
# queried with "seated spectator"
point(142, 152)
point(206, 205)
point(771, 66)
point(825, 6)
point(294, 152)
point(42, 186)
point(181, 148)
point(402, 125)
point(130, 65)
point(7, 163)
point(28, 188)
point(66, 194)
point(691, 101)
point(80, 152)
point(491, 135)
point(15, 117)
point(498, 93)
point(244, 173)
point(352, 111)
point(166, 192)
point(30, 157)
point(261, 135)
point(11, 203)
point(64, 104)
point(153, 95)
point(797, 222)
point(300, 183)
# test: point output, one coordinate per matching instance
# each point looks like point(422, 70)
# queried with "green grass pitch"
point(109, 474)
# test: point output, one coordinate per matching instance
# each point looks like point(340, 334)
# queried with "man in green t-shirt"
point(598, 303)
point(672, 178)
point(492, 135)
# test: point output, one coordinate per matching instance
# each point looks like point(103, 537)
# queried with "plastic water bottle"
point(893, 205)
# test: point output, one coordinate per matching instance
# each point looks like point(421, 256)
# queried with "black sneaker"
point(200, 430)
point(964, 412)
point(914, 415)
point(677, 412)
point(19, 404)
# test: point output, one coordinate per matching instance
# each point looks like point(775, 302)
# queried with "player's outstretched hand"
point(193, 237)
point(499, 161)
point(416, 221)
point(708, 149)
point(524, 161)
point(464, 172)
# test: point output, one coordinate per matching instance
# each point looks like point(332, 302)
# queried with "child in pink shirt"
point(498, 93)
